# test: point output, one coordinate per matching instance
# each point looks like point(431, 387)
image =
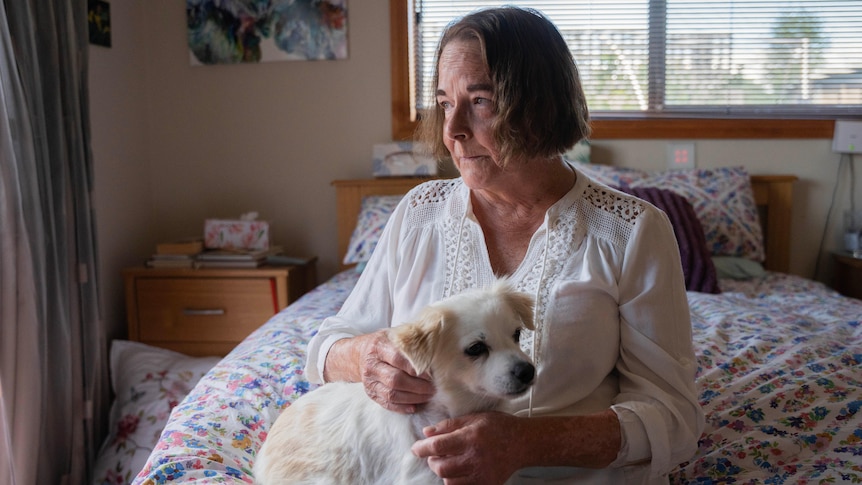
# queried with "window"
point(673, 68)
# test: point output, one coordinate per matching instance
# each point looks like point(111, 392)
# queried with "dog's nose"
point(524, 372)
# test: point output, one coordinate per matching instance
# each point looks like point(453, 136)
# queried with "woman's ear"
point(418, 340)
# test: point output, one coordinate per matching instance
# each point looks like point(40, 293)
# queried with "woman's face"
point(466, 95)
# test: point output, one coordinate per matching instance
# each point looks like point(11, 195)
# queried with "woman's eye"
point(476, 349)
point(517, 335)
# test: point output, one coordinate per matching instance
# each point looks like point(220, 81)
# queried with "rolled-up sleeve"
point(660, 416)
point(368, 307)
point(402, 276)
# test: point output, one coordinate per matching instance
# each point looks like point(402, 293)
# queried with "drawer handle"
point(203, 311)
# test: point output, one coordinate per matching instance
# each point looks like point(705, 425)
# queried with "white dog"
point(337, 435)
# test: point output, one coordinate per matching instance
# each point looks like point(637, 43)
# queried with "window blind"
point(694, 58)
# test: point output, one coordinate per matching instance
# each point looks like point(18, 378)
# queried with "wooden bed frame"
point(772, 193)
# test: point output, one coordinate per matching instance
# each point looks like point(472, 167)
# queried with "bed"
point(780, 356)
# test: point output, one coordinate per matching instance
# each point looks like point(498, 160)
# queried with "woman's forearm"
point(591, 441)
point(468, 449)
point(342, 361)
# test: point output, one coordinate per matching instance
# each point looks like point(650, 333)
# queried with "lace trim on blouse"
point(601, 212)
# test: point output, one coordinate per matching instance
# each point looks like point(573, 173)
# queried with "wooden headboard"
point(774, 197)
point(348, 200)
point(772, 193)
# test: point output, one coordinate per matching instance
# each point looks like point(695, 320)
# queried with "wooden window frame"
point(629, 128)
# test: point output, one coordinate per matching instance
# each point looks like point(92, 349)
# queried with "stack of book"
point(234, 258)
point(190, 253)
point(176, 254)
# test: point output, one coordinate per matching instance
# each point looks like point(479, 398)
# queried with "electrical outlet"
point(680, 155)
point(847, 137)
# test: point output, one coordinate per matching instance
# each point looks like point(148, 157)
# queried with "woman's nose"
point(457, 124)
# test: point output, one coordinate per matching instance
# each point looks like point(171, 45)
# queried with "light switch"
point(680, 155)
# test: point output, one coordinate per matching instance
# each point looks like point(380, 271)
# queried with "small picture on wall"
point(239, 31)
point(99, 21)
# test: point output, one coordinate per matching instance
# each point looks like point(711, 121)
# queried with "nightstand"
point(208, 311)
point(848, 274)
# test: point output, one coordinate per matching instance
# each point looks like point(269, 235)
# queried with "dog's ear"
point(522, 305)
point(418, 340)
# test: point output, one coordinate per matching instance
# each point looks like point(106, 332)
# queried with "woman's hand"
point(473, 449)
point(388, 377)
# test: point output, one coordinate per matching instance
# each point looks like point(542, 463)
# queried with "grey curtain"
point(52, 349)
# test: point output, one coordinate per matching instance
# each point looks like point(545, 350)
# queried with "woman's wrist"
point(342, 361)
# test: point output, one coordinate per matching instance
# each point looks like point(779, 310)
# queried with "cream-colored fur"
point(337, 435)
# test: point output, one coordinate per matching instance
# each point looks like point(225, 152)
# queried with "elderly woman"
point(614, 399)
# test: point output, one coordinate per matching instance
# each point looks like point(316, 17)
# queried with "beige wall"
point(123, 195)
point(174, 144)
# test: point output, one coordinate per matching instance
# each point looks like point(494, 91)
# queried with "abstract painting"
point(251, 31)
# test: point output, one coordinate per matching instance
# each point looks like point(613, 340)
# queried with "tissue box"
point(236, 234)
point(399, 160)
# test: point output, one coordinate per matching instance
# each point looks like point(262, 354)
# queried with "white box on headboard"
point(398, 159)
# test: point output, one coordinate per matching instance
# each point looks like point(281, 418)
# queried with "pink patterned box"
point(236, 234)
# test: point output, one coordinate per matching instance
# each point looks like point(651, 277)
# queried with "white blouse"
point(612, 319)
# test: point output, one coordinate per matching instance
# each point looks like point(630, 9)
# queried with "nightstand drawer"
point(201, 310)
point(208, 311)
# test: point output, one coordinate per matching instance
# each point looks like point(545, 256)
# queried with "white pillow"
point(147, 382)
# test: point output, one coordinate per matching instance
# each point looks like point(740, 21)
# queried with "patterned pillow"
point(147, 382)
point(697, 264)
point(722, 199)
point(373, 215)
point(724, 203)
point(611, 176)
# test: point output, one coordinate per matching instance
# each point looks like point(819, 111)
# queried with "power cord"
point(829, 213)
point(854, 222)
point(852, 192)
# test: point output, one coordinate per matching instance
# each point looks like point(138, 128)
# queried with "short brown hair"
point(541, 107)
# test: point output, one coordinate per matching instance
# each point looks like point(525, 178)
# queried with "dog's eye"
point(517, 335)
point(477, 349)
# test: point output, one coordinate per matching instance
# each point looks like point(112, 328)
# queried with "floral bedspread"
point(780, 379)
point(212, 436)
